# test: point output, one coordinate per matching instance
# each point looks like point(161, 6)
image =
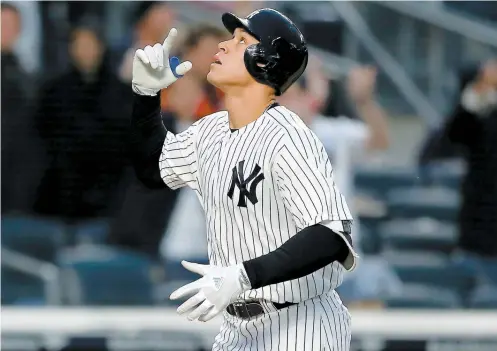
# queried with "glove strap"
point(144, 91)
point(244, 280)
point(173, 64)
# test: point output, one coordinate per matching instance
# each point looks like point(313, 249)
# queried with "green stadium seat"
point(378, 181)
point(438, 203)
point(484, 297)
point(92, 231)
point(418, 234)
point(444, 173)
point(427, 268)
point(19, 288)
point(36, 237)
point(425, 297)
point(176, 276)
point(102, 276)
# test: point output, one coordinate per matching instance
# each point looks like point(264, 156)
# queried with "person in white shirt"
point(346, 139)
point(349, 141)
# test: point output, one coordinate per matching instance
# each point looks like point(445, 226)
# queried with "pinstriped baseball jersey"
point(259, 185)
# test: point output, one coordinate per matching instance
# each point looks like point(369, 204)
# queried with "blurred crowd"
point(64, 138)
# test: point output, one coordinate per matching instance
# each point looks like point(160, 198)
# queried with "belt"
point(253, 308)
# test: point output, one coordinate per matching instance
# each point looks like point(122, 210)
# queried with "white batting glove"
point(154, 70)
point(218, 287)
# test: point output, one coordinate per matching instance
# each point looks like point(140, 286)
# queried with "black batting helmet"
point(280, 57)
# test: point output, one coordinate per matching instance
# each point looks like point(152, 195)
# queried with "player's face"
point(228, 68)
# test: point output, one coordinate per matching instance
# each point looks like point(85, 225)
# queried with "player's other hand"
point(154, 70)
point(218, 287)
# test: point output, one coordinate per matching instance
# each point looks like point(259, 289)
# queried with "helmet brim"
point(232, 22)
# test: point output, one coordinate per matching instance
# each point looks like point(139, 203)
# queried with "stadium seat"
point(431, 269)
point(92, 231)
point(370, 242)
point(176, 271)
point(100, 275)
point(418, 234)
point(483, 268)
point(36, 237)
point(377, 181)
point(21, 289)
point(418, 258)
point(489, 273)
point(484, 297)
point(444, 173)
point(417, 202)
point(176, 276)
point(424, 297)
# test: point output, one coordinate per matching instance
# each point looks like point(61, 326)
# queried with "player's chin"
point(213, 76)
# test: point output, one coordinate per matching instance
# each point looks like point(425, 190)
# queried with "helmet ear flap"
point(256, 57)
point(259, 61)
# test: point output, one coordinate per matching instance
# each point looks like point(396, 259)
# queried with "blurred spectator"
point(344, 137)
point(473, 127)
point(19, 170)
point(348, 141)
point(199, 47)
point(82, 118)
point(28, 45)
point(152, 21)
point(185, 237)
point(373, 281)
point(145, 213)
point(149, 216)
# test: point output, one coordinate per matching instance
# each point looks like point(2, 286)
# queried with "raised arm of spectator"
point(360, 87)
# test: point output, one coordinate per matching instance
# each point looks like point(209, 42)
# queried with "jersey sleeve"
point(178, 160)
point(304, 178)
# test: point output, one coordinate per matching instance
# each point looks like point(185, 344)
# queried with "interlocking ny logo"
point(237, 179)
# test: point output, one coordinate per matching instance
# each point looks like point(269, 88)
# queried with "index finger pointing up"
point(168, 42)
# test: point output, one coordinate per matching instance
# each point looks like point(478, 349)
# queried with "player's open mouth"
point(215, 60)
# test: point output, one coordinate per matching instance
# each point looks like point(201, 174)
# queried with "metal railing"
point(397, 74)
point(432, 42)
point(437, 16)
point(45, 271)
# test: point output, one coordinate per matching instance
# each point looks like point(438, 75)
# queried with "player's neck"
point(246, 107)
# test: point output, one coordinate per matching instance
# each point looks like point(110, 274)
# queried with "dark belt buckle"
point(241, 310)
point(247, 309)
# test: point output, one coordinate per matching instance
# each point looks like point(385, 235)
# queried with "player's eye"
point(242, 41)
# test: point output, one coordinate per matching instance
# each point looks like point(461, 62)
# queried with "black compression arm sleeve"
point(147, 138)
point(309, 250)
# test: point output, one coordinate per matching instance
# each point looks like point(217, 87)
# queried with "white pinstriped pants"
point(321, 323)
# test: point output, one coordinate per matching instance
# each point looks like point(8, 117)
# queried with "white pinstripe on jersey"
point(249, 212)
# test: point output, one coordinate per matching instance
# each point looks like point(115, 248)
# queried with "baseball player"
point(278, 228)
